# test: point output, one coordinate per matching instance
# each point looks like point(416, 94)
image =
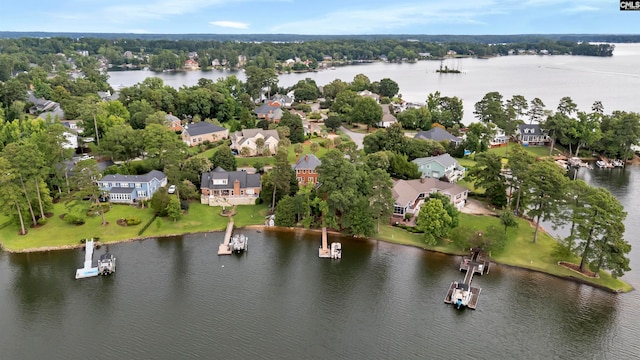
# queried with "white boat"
point(601, 164)
point(107, 264)
point(238, 243)
point(336, 250)
point(461, 295)
point(617, 163)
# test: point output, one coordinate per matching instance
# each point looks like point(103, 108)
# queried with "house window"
point(241, 192)
point(139, 185)
point(398, 210)
point(304, 171)
point(142, 194)
point(300, 179)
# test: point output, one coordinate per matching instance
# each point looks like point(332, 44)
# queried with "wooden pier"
point(225, 248)
point(472, 264)
point(324, 251)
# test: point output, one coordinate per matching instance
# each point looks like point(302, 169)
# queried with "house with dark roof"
point(270, 111)
point(532, 134)
point(222, 188)
point(440, 166)
point(128, 189)
point(305, 169)
point(247, 138)
point(41, 105)
point(409, 195)
point(197, 133)
point(437, 134)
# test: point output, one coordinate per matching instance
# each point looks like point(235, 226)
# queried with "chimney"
point(422, 180)
point(236, 187)
point(306, 158)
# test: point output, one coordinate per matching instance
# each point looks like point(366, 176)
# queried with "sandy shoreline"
point(295, 229)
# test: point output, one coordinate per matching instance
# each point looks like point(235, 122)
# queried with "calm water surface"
point(614, 80)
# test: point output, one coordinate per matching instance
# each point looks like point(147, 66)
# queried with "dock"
point(470, 295)
point(225, 248)
point(326, 252)
point(88, 270)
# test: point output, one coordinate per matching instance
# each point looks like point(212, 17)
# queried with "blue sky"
point(320, 17)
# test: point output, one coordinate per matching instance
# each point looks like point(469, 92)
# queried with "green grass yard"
point(57, 233)
point(520, 251)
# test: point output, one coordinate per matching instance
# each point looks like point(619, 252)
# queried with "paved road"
point(356, 137)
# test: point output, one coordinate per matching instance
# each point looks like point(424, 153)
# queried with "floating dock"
point(88, 270)
point(462, 293)
point(326, 252)
point(225, 248)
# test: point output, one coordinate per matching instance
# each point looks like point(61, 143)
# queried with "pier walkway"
point(324, 251)
point(472, 264)
point(225, 248)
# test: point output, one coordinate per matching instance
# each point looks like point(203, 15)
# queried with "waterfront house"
point(40, 105)
point(191, 64)
point(220, 187)
point(438, 134)
point(532, 134)
point(305, 169)
point(128, 189)
point(440, 166)
point(197, 133)
point(409, 195)
point(270, 111)
point(247, 139)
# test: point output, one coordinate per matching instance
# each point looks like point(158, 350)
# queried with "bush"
point(184, 205)
point(131, 221)
point(74, 219)
point(258, 201)
point(411, 229)
point(42, 221)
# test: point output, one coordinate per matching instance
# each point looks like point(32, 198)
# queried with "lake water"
point(613, 80)
point(174, 298)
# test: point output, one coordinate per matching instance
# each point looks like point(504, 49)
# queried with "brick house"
point(305, 169)
point(220, 187)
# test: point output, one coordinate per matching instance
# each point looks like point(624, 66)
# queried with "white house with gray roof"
point(223, 188)
point(439, 166)
point(409, 195)
point(247, 139)
point(128, 189)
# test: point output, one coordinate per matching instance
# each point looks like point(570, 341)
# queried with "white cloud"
point(581, 9)
point(381, 19)
point(230, 24)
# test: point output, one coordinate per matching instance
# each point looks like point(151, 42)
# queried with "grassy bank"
point(520, 251)
point(57, 233)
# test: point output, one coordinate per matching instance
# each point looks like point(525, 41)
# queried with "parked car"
point(172, 189)
point(85, 157)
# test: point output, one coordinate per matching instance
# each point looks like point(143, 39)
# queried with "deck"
point(225, 248)
point(472, 264)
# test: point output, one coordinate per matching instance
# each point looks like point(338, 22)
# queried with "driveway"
point(355, 137)
point(476, 207)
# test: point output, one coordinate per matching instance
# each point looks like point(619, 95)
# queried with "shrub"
point(74, 219)
point(42, 221)
point(133, 221)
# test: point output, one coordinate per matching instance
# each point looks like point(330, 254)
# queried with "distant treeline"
point(482, 39)
point(17, 53)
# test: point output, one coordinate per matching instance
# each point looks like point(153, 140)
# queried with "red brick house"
point(305, 169)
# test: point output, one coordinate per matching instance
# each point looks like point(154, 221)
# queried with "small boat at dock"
point(336, 250)
point(239, 243)
point(107, 264)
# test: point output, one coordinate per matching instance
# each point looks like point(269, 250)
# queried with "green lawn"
point(270, 160)
point(520, 251)
point(200, 218)
point(538, 151)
